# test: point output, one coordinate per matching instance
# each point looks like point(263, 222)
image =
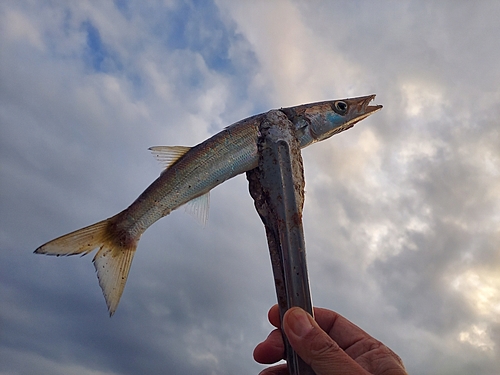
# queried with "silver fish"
point(189, 176)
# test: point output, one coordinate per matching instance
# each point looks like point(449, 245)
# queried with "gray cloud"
point(401, 213)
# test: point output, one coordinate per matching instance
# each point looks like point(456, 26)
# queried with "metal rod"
point(277, 186)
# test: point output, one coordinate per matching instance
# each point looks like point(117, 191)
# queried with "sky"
point(402, 212)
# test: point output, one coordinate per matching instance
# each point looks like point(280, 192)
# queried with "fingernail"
point(298, 322)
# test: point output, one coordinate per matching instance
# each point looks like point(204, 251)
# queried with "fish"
point(189, 175)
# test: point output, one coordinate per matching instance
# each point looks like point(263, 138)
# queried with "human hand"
point(331, 345)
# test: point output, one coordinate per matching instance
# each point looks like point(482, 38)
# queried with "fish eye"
point(341, 107)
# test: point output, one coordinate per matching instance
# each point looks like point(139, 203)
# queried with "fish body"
point(189, 176)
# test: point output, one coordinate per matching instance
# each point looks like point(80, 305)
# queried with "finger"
point(271, 349)
point(275, 370)
point(343, 332)
point(329, 321)
point(324, 317)
point(315, 346)
point(346, 334)
point(274, 316)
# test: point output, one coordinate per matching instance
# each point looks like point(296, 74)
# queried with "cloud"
point(296, 66)
point(401, 215)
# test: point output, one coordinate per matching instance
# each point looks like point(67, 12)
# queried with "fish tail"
point(112, 261)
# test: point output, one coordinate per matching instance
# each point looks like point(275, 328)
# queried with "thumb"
point(315, 347)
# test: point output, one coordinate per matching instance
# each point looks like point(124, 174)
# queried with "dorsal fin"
point(168, 155)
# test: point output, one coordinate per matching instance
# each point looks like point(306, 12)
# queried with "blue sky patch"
point(197, 26)
point(97, 54)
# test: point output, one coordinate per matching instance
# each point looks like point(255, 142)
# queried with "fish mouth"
point(362, 108)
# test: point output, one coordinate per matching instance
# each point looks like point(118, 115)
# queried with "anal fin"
point(199, 208)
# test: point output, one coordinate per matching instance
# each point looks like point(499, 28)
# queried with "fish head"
point(318, 121)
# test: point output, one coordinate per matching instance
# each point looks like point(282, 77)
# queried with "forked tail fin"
point(112, 261)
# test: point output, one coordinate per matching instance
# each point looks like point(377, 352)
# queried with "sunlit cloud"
point(481, 290)
point(423, 99)
point(477, 336)
point(402, 212)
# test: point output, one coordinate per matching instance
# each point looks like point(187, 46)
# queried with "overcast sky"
point(402, 212)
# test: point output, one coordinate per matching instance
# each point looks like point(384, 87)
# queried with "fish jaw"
point(319, 121)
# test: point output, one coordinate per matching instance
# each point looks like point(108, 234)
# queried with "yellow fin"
point(112, 261)
point(113, 265)
point(168, 155)
point(81, 241)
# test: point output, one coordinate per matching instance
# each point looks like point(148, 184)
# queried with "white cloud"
point(423, 100)
point(297, 65)
point(17, 27)
point(477, 336)
point(401, 215)
point(481, 289)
